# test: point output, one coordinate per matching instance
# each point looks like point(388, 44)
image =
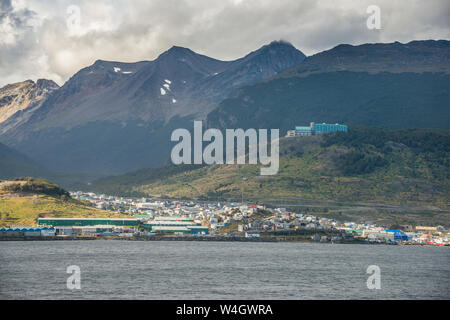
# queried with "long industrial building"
point(158, 225)
point(87, 222)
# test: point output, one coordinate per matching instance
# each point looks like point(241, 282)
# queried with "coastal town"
point(151, 219)
point(163, 219)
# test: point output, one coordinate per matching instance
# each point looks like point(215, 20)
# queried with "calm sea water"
point(220, 270)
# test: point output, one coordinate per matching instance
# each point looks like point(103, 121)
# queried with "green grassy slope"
point(22, 201)
point(367, 164)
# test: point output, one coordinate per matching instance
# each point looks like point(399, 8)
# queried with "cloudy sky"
point(55, 38)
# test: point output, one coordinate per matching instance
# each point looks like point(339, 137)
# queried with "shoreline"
point(170, 238)
point(202, 239)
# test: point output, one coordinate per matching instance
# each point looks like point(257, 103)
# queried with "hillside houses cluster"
point(215, 215)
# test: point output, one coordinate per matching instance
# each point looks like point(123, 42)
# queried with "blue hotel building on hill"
point(316, 128)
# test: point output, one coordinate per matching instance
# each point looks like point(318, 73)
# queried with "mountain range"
point(383, 85)
point(113, 117)
point(415, 56)
point(27, 95)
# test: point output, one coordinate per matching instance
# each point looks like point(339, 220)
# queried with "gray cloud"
point(35, 41)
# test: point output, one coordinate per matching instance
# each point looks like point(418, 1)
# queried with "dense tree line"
point(369, 146)
point(36, 185)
